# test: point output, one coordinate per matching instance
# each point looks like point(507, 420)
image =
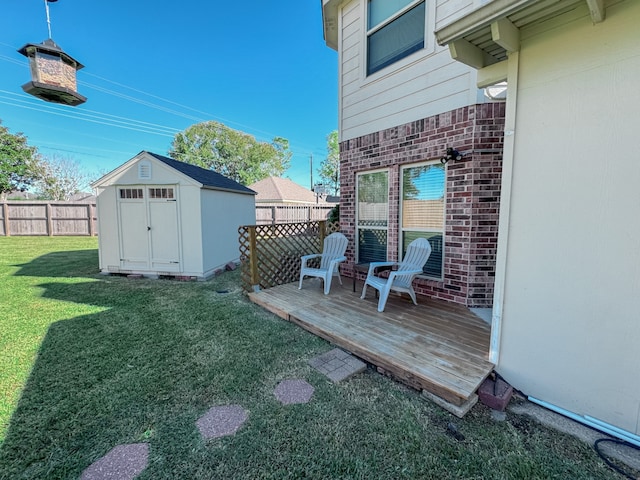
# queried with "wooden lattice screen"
point(270, 254)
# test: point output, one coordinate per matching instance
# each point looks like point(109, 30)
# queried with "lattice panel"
point(275, 256)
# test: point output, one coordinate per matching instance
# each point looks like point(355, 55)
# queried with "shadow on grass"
point(144, 369)
point(73, 263)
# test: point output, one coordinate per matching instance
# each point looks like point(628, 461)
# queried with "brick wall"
point(472, 193)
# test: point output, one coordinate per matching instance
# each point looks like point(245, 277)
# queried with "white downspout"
point(505, 205)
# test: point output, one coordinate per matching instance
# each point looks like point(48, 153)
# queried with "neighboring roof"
point(276, 189)
point(208, 178)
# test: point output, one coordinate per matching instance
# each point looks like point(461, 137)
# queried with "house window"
point(131, 193)
point(395, 29)
point(372, 216)
point(423, 188)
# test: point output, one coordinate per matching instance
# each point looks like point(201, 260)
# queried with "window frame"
point(428, 40)
point(357, 212)
point(402, 229)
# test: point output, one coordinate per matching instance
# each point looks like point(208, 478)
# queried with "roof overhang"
point(487, 35)
point(330, 10)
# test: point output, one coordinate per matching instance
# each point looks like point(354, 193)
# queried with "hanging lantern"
point(53, 73)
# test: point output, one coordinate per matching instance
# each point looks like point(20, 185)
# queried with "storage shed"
point(158, 216)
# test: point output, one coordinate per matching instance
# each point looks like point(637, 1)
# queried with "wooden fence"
point(47, 218)
point(271, 214)
point(270, 254)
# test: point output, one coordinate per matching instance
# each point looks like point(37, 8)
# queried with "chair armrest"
point(394, 274)
point(306, 258)
point(374, 265)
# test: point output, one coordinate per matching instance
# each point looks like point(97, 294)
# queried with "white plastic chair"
point(332, 254)
point(399, 280)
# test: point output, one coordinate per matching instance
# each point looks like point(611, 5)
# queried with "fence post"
point(273, 215)
point(5, 219)
point(90, 215)
point(49, 220)
point(253, 258)
point(322, 231)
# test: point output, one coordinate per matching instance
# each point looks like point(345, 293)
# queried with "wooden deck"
point(436, 346)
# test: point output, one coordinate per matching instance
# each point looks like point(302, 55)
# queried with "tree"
point(329, 170)
point(234, 154)
point(19, 162)
point(61, 178)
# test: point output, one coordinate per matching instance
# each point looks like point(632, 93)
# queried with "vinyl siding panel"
point(425, 83)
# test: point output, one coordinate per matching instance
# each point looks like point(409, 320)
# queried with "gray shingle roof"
point(207, 178)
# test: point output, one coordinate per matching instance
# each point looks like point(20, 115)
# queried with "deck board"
point(436, 346)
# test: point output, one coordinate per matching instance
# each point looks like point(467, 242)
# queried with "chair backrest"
point(334, 246)
point(417, 255)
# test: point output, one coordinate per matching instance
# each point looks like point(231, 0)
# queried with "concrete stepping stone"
point(123, 462)
point(221, 421)
point(337, 364)
point(289, 392)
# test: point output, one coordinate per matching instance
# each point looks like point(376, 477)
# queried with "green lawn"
point(89, 362)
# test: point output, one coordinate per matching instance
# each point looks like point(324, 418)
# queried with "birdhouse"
point(53, 73)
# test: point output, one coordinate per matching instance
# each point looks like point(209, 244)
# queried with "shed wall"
point(571, 331)
point(222, 213)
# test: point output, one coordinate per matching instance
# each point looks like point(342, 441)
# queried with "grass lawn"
point(88, 362)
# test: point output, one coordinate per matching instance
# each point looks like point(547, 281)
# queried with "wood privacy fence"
point(270, 254)
point(47, 218)
point(271, 214)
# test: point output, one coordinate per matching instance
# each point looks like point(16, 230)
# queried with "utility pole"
point(311, 169)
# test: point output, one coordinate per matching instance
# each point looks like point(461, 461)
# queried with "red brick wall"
point(472, 193)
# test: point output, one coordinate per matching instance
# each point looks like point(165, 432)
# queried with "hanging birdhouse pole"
point(53, 72)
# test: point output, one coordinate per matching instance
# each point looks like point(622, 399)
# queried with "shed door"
point(134, 243)
point(163, 220)
point(149, 229)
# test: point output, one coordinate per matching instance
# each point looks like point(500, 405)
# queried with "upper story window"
point(395, 29)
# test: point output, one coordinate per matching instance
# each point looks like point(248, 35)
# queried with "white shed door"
point(149, 229)
point(163, 220)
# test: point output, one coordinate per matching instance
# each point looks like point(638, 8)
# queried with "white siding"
point(220, 226)
point(424, 84)
point(571, 329)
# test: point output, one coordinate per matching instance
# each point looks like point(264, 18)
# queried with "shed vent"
point(144, 171)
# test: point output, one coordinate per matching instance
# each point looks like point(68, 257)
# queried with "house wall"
point(472, 193)
point(570, 329)
point(426, 83)
point(221, 215)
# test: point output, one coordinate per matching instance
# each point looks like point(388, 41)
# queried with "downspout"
point(505, 205)
point(591, 422)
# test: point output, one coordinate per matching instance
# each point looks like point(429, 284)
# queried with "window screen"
point(399, 38)
point(372, 216)
point(423, 188)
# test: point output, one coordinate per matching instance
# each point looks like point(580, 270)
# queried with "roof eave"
point(330, 22)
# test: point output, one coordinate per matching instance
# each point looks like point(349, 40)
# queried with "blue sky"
point(155, 68)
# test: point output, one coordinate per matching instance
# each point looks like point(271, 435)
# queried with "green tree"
point(234, 154)
point(329, 170)
point(61, 178)
point(19, 162)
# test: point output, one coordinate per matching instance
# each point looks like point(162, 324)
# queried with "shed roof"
point(276, 189)
point(208, 178)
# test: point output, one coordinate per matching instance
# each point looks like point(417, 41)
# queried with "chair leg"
point(412, 294)
point(384, 294)
point(364, 291)
point(327, 284)
point(300, 284)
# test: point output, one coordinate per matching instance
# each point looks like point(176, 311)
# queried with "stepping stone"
point(123, 462)
point(221, 421)
point(337, 364)
point(289, 392)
